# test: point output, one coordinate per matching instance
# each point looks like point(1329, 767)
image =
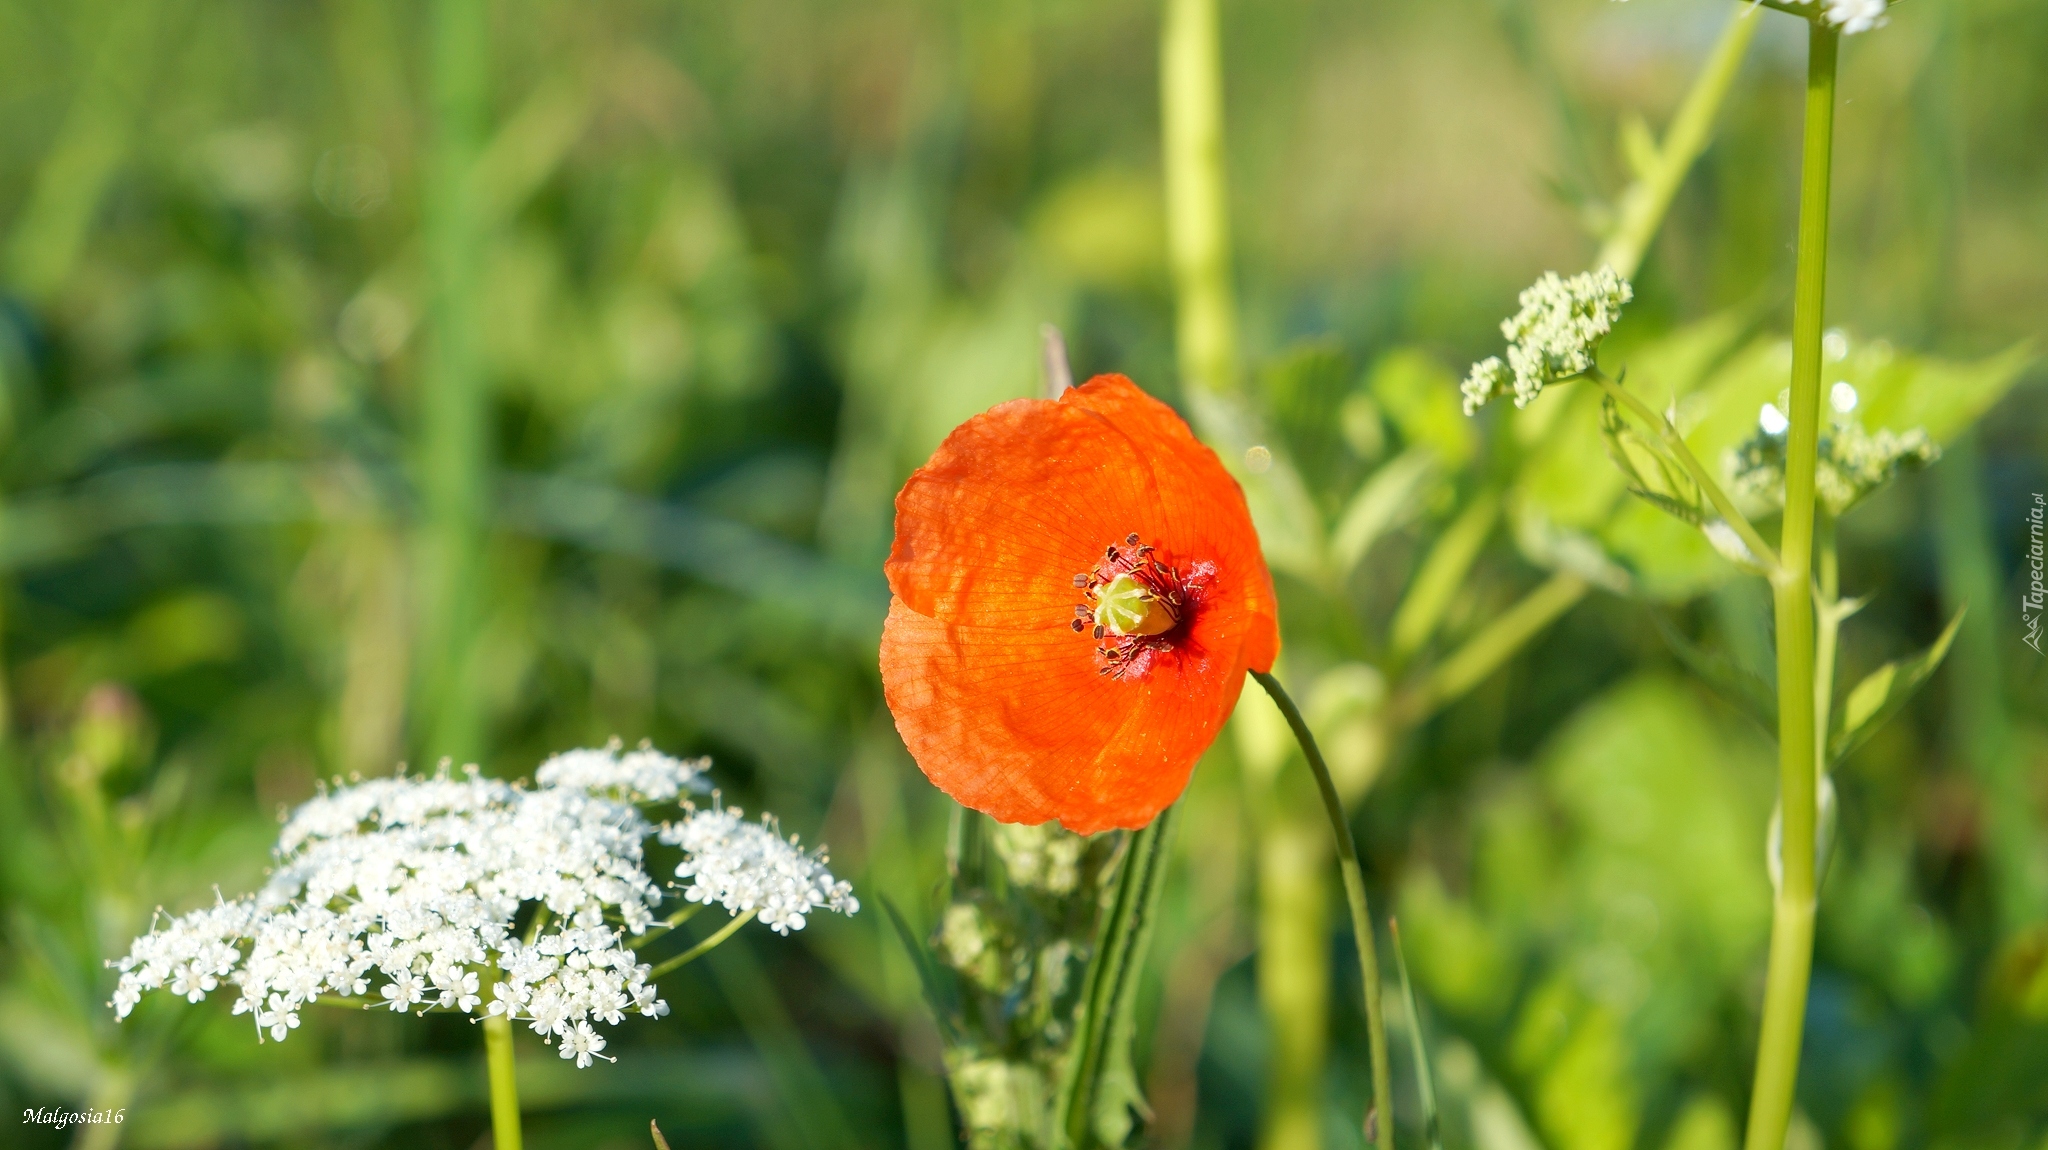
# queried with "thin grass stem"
point(1354, 895)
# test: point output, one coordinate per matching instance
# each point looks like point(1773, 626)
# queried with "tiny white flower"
point(583, 1044)
point(402, 991)
point(1853, 16)
point(280, 1019)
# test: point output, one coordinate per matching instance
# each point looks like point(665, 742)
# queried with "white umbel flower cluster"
point(406, 892)
point(1850, 464)
point(746, 866)
point(1554, 335)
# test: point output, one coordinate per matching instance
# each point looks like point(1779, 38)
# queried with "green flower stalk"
point(1556, 338)
point(1792, 911)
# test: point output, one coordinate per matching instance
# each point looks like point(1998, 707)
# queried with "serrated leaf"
point(1884, 691)
point(1689, 513)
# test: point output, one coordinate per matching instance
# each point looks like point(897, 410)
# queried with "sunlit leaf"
point(1882, 692)
point(1420, 396)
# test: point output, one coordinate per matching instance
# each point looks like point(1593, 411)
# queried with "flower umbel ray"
point(1078, 593)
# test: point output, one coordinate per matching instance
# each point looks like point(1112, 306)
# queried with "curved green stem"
point(703, 948)
point(688, 912)
point(1647, 199)
point(505, 1134)
point(1765, 556)
point(1354, 894)
point(1791, 960)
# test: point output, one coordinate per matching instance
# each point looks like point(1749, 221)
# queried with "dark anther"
point(1078, 624)
point(1132, 539)
point(1080, 580)
point(1099, 630)
point(1081, 611)
point(1110, 553)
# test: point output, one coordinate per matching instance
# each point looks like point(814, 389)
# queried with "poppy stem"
point(1354, 894)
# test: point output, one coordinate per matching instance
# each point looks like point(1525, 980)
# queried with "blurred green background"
point(383, 381)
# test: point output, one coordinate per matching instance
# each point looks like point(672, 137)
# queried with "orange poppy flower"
point(1078, 592)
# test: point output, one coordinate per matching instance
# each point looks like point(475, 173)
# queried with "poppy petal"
point(1011, 723)
point(1012, 506)
point(1198, 497)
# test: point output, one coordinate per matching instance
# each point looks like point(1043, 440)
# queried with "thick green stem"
point(504, 1084)
point(1791, 960)
point(1294, 966)
point(1354, 894)
point(453, 402)
point(1197, 206)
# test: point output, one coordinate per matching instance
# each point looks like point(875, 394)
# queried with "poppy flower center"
point(1129, 606)
point(1134, 602)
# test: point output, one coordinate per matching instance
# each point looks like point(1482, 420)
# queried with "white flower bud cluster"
point(1853, 16)
point(746, 866)
point(1851, 463)
point(1554, 335)
point(413, 885)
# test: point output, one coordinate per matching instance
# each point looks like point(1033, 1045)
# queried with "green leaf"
point(1388, 498)
point(1420, 396)
point(939, 992)
point(1907, 391)
point(1429, 595)
point(1425, 1080)
point(1882, 692)
point(1739, 685)
point(1668, 559)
